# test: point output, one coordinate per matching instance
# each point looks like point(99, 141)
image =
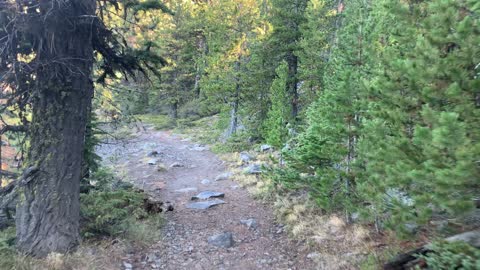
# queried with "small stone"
point(127, 266)
point(153, 154)
point(152, 161)
point(208, 194)
point(224, 176)
point(245, 157)
point(176, 165)
point(265, 147)
point(206, 181)
point(224, 240)
point(205, 205)
point(313, 255)
point(250, 223)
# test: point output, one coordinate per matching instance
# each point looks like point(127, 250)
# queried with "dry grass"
point(333, 243)
point(89, 256)
point(338, 245)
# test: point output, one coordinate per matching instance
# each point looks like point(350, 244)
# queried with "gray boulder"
point(152, 161)
point(253, 169)
point(223, 240)
point(207, 195)
point(245, 157)
point(251, 223)
point(265, 147)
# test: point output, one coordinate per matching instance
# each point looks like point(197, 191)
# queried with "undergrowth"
point(112, 220)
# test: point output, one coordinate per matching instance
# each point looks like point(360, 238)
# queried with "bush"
point(109, 213)
point(104, 180)
point(454, 255)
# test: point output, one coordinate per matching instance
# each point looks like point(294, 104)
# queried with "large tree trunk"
point(48, 209)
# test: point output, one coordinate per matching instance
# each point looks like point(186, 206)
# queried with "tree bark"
point(48, 210)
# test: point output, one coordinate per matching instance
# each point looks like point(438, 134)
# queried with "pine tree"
point(422, 135)
point(279, 115)
point(327, 149)
point(286, 18)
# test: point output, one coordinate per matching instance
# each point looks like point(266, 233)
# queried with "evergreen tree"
point(327, 149)
point(422, 135)
point(286, 18)
point(279, 115)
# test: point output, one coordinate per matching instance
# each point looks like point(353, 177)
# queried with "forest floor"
point(180, 170)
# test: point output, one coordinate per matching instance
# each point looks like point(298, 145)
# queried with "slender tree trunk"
point(174, 110)
point(202, 46)
point(48, 209)
point(292, 82)
point(235, 103)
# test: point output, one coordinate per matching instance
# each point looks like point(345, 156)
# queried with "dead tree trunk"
point(48, 208)
point(232, 129)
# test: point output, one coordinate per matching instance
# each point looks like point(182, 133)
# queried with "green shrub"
point(454, 255)
point(108, 213)
point(105, 180)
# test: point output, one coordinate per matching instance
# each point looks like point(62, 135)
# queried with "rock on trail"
point(207, 195)
point(204, 205)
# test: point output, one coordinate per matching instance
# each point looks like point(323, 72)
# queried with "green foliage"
point(279, 115)
point(325, 152)
point(91, 159)
point(453, 255)
point(421, 135)
point(109, 213)
point(7, 248)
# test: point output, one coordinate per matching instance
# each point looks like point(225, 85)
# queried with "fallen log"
point(409, 259)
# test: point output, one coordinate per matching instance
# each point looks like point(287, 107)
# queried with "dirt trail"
point(185, 235)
